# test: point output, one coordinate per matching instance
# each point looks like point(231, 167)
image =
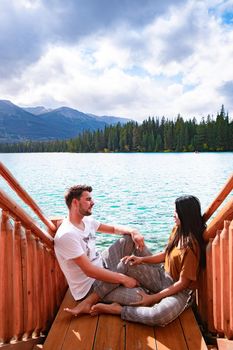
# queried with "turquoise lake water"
point(137, 189)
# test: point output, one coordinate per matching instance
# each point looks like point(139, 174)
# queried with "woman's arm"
point(150, 259)
point(175, 288)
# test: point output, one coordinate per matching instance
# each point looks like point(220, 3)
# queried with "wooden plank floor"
point(107, 332)
point(225, 344)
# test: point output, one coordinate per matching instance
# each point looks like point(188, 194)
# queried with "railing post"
point(6, 279)
point(216, 283)
point(231, 273)
point(29, 313)
point(225, 272)
point(209, 276)
point(18, 305)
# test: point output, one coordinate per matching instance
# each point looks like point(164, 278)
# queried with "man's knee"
point(126, 239)
point(127, 245)
point(122, 267)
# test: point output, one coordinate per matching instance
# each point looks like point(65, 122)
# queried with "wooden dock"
point(107, 332)
point(32, 288)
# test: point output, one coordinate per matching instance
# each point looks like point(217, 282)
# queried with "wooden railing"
point(31, 282)
point(228, 187)
point(215, 292)
point(14, 184)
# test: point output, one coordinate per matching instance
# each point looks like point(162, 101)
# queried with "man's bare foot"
point(82, 308)
point(85, 306)
point(100, 308)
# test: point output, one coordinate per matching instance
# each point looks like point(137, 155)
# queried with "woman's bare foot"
point(85, 306)
point(100, 308)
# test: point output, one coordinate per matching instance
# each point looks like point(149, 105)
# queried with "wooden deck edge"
point(192, 333)
point(60, 324)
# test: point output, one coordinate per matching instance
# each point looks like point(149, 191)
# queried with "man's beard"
point(85, 212)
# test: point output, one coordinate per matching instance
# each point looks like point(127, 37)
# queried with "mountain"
point(37, 110)
point(37, 123)
point(110, 120)
point(17, 125)
point(66, 122)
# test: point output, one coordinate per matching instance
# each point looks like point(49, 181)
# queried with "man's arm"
point(102, 274)
point(124, 230)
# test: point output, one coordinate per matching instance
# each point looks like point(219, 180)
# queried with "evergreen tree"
point(153, 135)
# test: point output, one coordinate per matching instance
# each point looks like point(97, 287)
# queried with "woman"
point(169, 276)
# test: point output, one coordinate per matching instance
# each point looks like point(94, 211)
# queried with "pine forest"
point(152, 135)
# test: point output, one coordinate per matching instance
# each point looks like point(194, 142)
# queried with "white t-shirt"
point(70, 243)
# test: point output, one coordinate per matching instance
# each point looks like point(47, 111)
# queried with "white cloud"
point(28, 4)
point(173, 64)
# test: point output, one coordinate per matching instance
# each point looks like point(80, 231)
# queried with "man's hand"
point(129, 282)
point(147, 299)
point(132, 259)
point(138, 239)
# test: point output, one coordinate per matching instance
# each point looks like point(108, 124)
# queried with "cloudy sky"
point(129, 58)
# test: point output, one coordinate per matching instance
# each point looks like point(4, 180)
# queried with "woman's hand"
point(151, 299)
point(147, 299)
point(138, 239)
point(132, 260)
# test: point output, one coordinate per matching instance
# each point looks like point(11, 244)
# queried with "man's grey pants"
point(152, 278)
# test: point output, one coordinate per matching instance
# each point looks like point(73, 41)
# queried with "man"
point(79, 260)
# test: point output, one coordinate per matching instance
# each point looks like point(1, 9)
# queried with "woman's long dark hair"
point(191, 226)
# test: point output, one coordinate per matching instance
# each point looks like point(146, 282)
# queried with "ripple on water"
point(132, 189)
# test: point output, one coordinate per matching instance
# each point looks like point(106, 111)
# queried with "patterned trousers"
point(152, 279)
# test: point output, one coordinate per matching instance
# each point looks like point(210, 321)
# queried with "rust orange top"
point(184, 262)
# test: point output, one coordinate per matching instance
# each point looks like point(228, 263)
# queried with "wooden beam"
point(226, 213)
point(14, 184)
point(20, 214)
point(219, 199)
